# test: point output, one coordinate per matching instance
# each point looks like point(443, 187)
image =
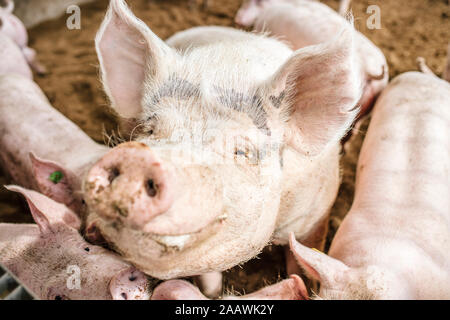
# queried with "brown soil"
point(409, 28)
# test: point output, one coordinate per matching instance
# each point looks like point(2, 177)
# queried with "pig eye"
point(247, 153)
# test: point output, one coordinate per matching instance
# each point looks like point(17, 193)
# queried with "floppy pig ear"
point(323, 86)
point(130, 54)
point(45, 211)
point(318, 265)
point(55, 181)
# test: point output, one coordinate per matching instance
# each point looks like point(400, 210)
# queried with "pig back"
point(403, 181)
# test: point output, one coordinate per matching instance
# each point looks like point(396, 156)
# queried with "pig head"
point(225, 131)
point(56, 263)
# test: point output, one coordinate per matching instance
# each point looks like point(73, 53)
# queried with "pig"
point(395, 241)
point(12, 59)
point(53, 260)
point(290, 289)
point(12, 27)
point(238, 143)
point(303, 23)
point(39, 147)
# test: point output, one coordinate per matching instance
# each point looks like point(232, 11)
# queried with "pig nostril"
point(132, 278)
point(113, 174)
point(151, 188)
point(124, 295)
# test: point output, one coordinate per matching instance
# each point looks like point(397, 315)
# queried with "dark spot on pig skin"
point(113, 174)
point(87, 249)
point(177, 88)
point(276, 101)
point(250, 105)
point(124, 295)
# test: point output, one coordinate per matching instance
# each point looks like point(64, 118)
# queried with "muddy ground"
point(408, 28)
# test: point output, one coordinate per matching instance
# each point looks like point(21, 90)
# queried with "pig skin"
point(394, 242)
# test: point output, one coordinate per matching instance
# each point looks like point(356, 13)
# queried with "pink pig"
point(12, 27)
point(304, 22)
point(395, 241)
point(53, 261)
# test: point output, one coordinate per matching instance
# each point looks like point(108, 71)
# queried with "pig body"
point(12, 58)
point(53, 260)
point(256, 140)
point(303, 23)
point(394, 242)
point(29, 124)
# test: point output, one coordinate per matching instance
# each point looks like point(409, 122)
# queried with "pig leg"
point(30, 56)
point(344, 6)
point(210, 284)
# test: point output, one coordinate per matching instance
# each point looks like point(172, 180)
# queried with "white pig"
point(395, 241)
point(269, 121)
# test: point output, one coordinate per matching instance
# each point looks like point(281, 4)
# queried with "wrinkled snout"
point(129, 184)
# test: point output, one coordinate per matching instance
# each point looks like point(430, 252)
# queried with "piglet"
point(12, 59)
point(290, 289)
point(304, 23)
point(39, 147)
point(395, 241)
point(12, 27)
point(52, 259)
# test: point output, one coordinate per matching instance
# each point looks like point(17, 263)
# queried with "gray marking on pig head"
point(176, 87)
point(250, 105)
point(276, 101)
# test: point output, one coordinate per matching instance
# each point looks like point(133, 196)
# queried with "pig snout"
point(130, 184)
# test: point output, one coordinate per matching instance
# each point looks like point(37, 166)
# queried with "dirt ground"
point(409, 28)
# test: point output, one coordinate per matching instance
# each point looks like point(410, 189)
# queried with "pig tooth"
point(173, 241)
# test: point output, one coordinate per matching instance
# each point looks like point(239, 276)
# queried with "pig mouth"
point(168, 243)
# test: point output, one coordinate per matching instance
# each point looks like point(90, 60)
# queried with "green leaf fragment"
point(56, 177)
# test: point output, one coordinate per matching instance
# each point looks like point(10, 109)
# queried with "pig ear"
point(322, 86)
point(54, 181)
point(45, 211)
point(129, 284)
point(318, 265)
point(130, 54)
